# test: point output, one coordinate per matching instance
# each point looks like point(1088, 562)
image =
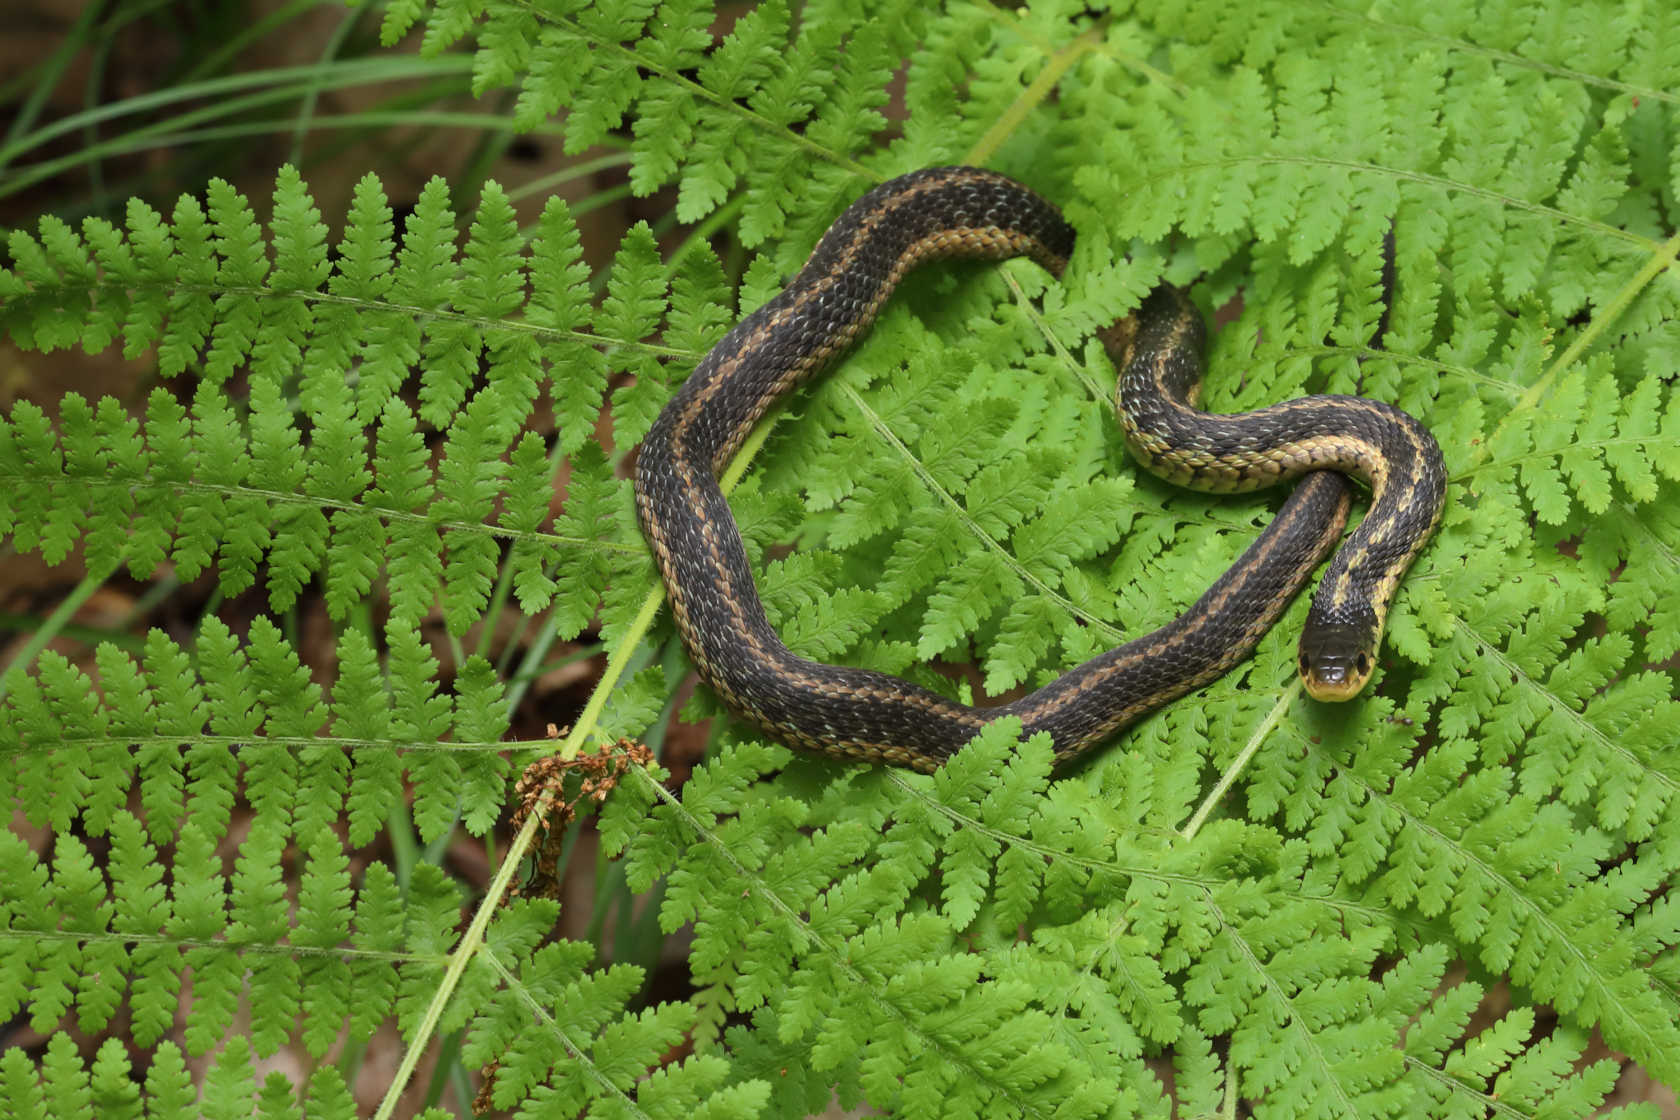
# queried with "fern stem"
point(1037, 90)
point(53, 626)
point(616, 665)
point(637, 630)
point(458, 961)
point(389, 513)
point(545, 1017)
point(697, 89)
point(1507, 58)
point(1400, 174)
point(979, 532)
point(1663, 257)
point(836, 950)
point(114, 740)
point(1564, 711)
point(1035, 315)
point(1285, 701)
point(517, 848)
point(521, 844)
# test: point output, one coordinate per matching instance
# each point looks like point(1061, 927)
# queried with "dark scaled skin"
point(1370, 440)
point(940, 212)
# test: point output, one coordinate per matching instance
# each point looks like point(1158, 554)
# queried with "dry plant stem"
point(520, 846)
point(473, 939)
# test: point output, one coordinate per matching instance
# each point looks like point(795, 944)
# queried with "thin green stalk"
point(499, 595)
point(1228, 778)
point(92, 94)
point(1030, 98)
point(537, 650)
point(306, 108)
point(52, 626)
point(445, 1073)
point(464, 952)
point(570, 173)
point(158, 135)
point(215, 92)
point(600, 199)
point(44, 77)
point(224, 54)
point(699, 235)
point(473, 939)
point(368, 120)
point(88, 635)
point(617, 665)
point(1663, 256)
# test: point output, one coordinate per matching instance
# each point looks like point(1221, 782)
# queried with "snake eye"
point(1362, 663)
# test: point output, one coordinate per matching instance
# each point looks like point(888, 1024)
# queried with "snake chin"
point(1336, 663)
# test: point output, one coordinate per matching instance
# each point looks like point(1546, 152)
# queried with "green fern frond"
point(379, 437)
point(586, 1052)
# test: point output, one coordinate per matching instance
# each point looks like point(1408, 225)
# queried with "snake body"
point(858, 713)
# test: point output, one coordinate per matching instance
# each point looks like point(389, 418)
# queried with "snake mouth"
point(1334, 686)
point(1335, 663)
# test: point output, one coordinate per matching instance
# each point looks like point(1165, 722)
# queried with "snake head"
point(1336, 661)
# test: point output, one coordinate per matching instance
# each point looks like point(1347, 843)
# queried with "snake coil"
point(857, 713)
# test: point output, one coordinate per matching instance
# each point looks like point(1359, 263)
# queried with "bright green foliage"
point(343, 508)
point(583, 1051)
point(107, 1086)
point(1432, 902)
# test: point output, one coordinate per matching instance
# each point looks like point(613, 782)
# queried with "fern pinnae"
point(1473, 883)
point(468, 945)
point(740, 857)
point(524, 1063)
point(1518, 821)
point(970, 526)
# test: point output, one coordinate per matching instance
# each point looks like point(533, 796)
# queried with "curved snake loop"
point(857, 713)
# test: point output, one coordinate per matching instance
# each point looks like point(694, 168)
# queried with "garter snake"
point(968, 212)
